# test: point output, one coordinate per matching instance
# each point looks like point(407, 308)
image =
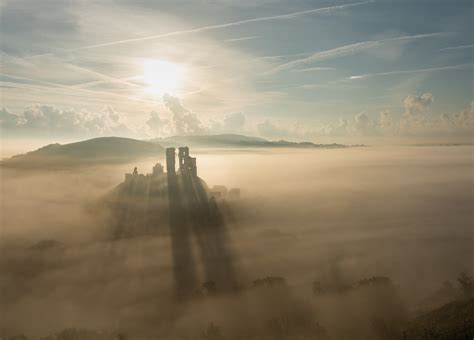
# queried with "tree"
point(466, 283)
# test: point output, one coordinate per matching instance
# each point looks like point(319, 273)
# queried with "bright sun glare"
point(162, 76)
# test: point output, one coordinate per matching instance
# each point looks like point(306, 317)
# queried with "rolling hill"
point(118, 149)
point(103, 149)
point(235, 141)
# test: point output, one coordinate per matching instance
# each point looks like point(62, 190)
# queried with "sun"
point(162, 76)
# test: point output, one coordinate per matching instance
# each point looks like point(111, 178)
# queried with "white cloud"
point(462, 120)
point(156, 125)
point(185, 121)
point(232, 123)
point(270, 129)
point(414, 122)
point(415, 104)
point(50, 121)
point(364, 125)
point(56, 123)
point(340, 128)
point(385, 120)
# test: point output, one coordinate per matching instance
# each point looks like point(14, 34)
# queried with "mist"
point(309, 226)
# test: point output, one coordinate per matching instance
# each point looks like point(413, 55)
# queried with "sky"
point(322, 70)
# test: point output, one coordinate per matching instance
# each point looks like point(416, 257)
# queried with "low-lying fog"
point(335, 216)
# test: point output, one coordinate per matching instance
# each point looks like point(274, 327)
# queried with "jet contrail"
point(456, 47)
point(211, 27)
point(432, 69)
point(348, 50)
point(243, 38)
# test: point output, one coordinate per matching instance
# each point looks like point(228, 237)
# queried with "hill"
point(454, 320)
point(233, 140)
point(103, 149)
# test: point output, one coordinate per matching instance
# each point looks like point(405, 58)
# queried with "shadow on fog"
point(194, 217)
point(192, 213)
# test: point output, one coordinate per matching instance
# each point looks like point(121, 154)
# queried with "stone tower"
point(171, 160)
point(187, 164)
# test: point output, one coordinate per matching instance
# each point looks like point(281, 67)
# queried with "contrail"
point(212, 27)
point(243, 38)
point(348, 50)
point(49, 84)
point(432, 69)
point(457, 48)
point(309, 69)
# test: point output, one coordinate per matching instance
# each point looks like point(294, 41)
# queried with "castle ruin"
point(178, 198)
point(187, 168)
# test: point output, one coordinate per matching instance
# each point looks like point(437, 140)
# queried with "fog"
point(319, 219)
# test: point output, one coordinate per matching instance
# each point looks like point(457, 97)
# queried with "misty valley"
point(237, 243)
point(236, 170)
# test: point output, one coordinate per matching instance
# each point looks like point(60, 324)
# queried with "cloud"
point(385, 120)
point(364, 125)
point(347, 50)
point(48, 121)
point(462, 47)
point(156, 125)
point(310, 69)
point(413, 123)
point(231, 123)
point(51, 121)
point(270, 129)
point(415, 104)
point(219, 26)
point(463, 119)
point(432, 69)
point(185, 122)
point(340, 128)
point(243, 38)
point(329, 54)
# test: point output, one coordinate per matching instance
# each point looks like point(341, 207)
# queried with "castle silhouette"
point(180, 204)
point(186, 168)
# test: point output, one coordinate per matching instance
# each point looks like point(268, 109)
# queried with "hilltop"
point(103, 149)
point(239, 141)
point(119, 149)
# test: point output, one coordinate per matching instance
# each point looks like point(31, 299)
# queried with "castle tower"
point(157, 169)
point(192, 166)
point(183, 156)
point(171, 160)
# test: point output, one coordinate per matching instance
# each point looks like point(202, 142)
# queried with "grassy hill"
point(235, 141)
point(454, 320)
point(103, 149)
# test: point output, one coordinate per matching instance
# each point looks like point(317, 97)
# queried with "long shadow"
point(210, 229)
point(131, 204)
point(183, 263)
point(193, 217)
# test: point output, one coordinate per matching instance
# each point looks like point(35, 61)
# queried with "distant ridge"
point(241, 141)
point(119, 149)
point(102, 149)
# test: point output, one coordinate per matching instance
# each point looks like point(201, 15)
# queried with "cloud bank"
point(416, 120)
point(48, 121)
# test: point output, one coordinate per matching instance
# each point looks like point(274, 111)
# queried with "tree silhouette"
point(466, 283)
